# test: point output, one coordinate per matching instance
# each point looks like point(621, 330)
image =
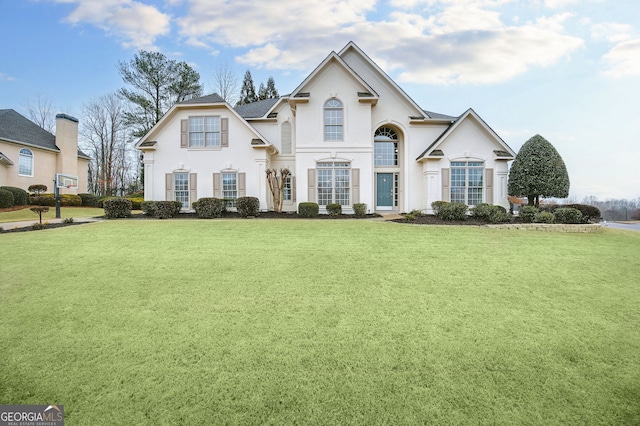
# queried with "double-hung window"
point(25, 162)
point(230, 188)
point(333, 120)
point(204, 132)
point(287, 189)
point(334, 183)
point(181, 188)
point(467, 182)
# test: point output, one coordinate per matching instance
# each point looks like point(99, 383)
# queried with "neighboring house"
point(348, 133)
point(30, 155)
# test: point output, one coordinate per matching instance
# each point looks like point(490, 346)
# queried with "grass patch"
point(26, 214)
point(321, 322)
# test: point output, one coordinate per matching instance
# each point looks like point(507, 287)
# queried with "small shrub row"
point(136, 202)
point(449, 211)
point(161, 209)
point(6, 199)
point(209, 207)
point(20, 196)
point(66, 200)
point(558, 214)
point(360, 209)
point(116, 208)
point(248, 206)
point(88, 200)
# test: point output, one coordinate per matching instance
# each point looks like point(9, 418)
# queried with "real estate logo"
point(31, 415)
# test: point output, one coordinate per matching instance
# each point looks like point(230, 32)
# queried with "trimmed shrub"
point(6, 199)
point(452, 211)
point(89, 200)
point(308, 209)
point(567, 215)
point(360, 209)
point(20, 196)
point(210, 208)
point(166, 209)
point(543, 217)
point(490, 213)
point(66, 200)
point(528, 214)
point(37, 189)
point(148, 207)
point(437, 205)
point(136, 202)
point(334, 210)
point(589, 213)
point(248, 206)
point(117, 207)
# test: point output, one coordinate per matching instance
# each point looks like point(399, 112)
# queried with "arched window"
point(385, 143)
point(286, 138)
point(25, 162)
point(333, 120)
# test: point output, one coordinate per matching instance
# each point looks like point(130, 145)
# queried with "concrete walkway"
point(27, 223)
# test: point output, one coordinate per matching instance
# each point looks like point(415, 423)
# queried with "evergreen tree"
point(272, 92)
point(248, 90)
point(262, 92)
point(538, 171)
point(157, 84)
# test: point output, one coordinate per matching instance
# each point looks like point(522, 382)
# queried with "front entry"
point(384, 191)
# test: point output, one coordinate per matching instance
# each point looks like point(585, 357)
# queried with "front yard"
point(320, 322)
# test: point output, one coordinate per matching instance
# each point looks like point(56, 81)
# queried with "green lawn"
point(26, 214)
point(320, 322)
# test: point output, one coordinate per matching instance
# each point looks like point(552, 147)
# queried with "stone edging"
point(551, 227)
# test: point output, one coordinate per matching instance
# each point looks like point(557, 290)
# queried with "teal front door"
point(384, 191)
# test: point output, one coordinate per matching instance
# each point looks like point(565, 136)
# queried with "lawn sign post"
point(63, 181)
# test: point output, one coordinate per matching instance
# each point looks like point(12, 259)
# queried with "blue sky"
point(566, 69)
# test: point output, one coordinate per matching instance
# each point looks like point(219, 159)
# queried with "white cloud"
point(136, 24)
point(435, 41)
point(624, 59)
point(611, 31)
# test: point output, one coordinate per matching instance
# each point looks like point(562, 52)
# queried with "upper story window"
point(204, 132)
point(467, 182)
point(286, 138)
point(25, 162)
point(385, 147)
point(333, 120)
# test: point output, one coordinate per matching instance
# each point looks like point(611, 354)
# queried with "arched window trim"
point(25, 162)
point(333, 120)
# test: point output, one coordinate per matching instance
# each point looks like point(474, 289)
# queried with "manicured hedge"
point(543, 217)
point(334, 210)
point(20, 196)
point(166, 209)
point(6, 199)
point(148, 207)
point(66, 200)
point(360, 209)
point(589, 213)
point(450, 211)
point(117, 208)
point(567, 215)
point(210, 208)
point(490, 213)
point(308, 209)
point(248, 206)
point(528, 213)
point(89, 200)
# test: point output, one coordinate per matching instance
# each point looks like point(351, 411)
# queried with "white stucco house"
point(348, 133)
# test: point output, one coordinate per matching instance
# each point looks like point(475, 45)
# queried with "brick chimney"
point(67, 142)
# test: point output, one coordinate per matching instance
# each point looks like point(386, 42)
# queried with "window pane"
point(286, 188)
point(196, 124)
point(196, 139)
point(212, 124)
point(467, 180)
point(212, 139)
point(385, 154)
point(333, 120)
point(25, 162)
point(181, 185)
point(230, 187)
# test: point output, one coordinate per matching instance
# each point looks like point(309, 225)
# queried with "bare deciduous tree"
point(225, 82)
point(42, 113)
point(104, 135)
point(276, 185)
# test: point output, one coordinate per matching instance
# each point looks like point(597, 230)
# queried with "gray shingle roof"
point(17, 128)
point(256, 109)
point(208, 99)
point(437, 115)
